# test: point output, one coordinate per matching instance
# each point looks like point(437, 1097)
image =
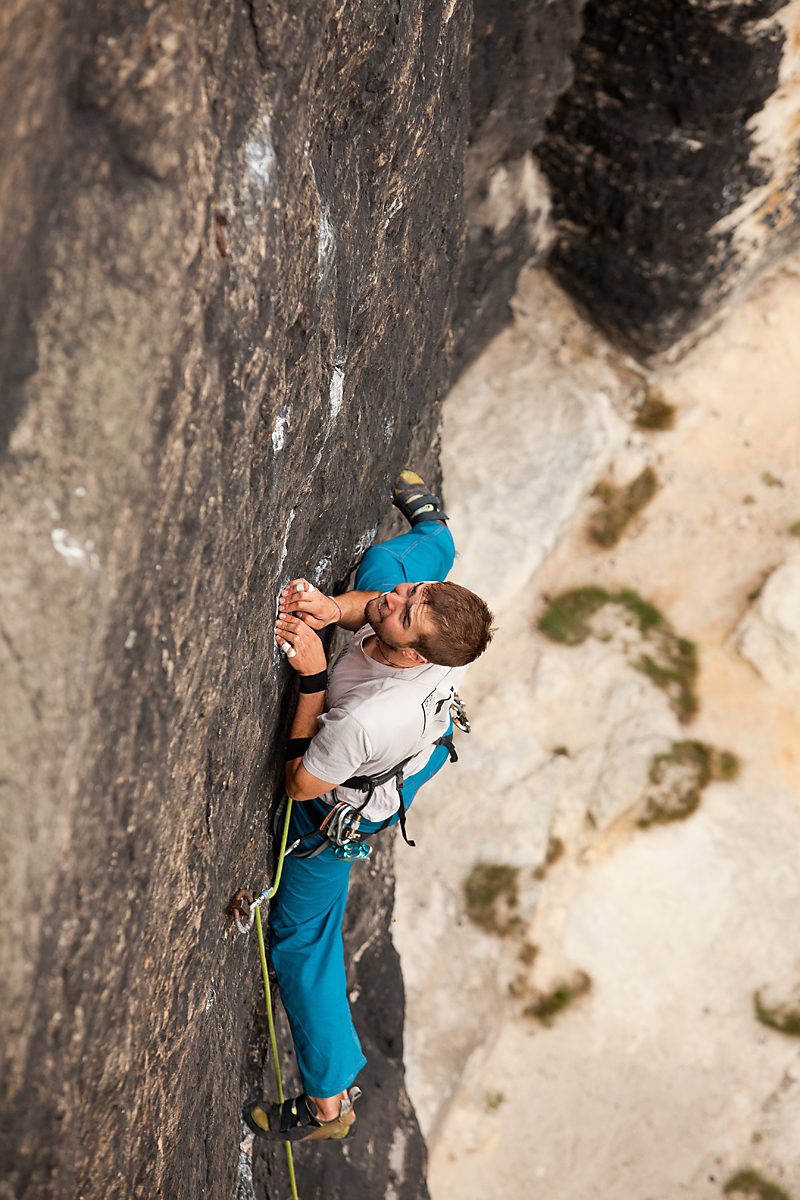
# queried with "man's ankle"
point(328, 1107)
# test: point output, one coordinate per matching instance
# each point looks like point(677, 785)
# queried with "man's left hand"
point(308, 602)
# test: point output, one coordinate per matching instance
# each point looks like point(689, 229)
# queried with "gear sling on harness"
point(340, 828)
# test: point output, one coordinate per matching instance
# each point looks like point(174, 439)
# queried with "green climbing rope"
point(271, 1022)
point(267, 894)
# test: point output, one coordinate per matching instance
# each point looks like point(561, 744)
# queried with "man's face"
point(399, 617)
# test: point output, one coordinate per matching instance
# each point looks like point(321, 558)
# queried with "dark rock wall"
point(233, 232)
point(649, 150)
point(519, 64)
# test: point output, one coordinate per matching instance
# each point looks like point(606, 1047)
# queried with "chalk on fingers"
point(304, 587)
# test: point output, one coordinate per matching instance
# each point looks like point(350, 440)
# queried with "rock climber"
point(361, 743)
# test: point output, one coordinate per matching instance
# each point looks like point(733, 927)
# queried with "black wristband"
point(313, 683)
point(296, 747)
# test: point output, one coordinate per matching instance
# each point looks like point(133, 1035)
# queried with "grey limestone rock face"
point(232, 233)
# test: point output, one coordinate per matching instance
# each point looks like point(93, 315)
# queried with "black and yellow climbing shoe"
point(296, 1120)
point(415, 502)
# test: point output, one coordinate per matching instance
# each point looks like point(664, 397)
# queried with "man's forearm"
point(353, 605)
point(310, 706)
point(305, 725)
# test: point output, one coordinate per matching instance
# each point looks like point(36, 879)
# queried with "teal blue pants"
point(307, 913)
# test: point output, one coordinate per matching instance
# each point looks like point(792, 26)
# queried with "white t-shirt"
point(376, 716)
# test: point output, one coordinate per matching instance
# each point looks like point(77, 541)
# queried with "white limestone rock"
point(768, 636)
point(527, 432)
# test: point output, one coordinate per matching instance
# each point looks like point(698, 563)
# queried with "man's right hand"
point(309, 652)
point(309, 604)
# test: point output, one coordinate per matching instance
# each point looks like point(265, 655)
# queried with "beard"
point(372, 612)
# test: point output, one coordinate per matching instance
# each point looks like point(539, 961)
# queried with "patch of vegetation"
point(567, 617)
point(647, 615)
point(493, 1100)
point(655, 415)
point(795, 529)
point(725, 766)
point(674, 668)
point(527, 954)
point(491, 894)
point(678, 778)
point(781, 1017)
point(771, 480)
point(672, 663)
point(547, 1005)
point(518, 988)
point(618, 507)
point(752, 1183)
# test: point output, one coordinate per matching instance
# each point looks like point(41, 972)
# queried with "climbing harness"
point(341, 826)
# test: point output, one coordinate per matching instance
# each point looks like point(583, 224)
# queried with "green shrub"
point(751, 1183)
point(671, 663)
point(675, 670)
point(548, 1005)
point(655, 415)
point(566, 618)
point(490, 891)
point(679, 777)
point(785, 1020)
point(619, 505)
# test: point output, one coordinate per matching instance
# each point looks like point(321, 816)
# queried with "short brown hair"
point(463, 625)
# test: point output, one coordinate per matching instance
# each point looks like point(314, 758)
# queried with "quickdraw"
point(458, 711)
point(341, 827)
point(243, 907)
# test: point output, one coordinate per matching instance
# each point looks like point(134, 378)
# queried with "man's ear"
point(414, 657)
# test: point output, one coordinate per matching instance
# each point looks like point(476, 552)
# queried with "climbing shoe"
point(415, 502)
point(296, 1120)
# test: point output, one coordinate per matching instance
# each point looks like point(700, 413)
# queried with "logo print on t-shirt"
point(427, 705)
